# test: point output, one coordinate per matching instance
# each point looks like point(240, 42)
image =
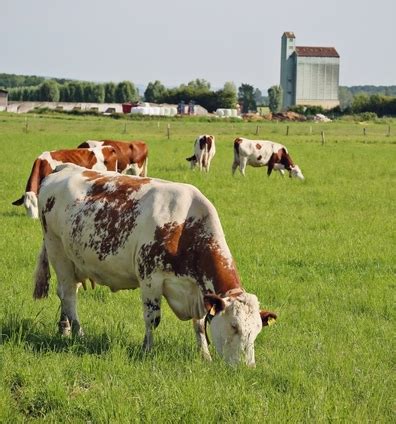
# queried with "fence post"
point(257, 130)
point(26, 129)
point(310, 130)
point(168, 131)
point(323, 137)
point(364, 131)
point(125, 128)
point(388, 131)
point(287, 130)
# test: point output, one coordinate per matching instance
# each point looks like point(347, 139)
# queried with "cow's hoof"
point(65, 329)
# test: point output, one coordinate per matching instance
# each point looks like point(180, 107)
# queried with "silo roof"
point(316, 51)
point(289, 34)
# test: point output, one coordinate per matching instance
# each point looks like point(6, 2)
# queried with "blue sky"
point(176, 41)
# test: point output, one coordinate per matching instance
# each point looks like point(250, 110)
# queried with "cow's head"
point(29, 200)
point(235, 324)
point(295, 171)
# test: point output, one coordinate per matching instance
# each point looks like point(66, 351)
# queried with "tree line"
point(355, 99)
point(198, 91)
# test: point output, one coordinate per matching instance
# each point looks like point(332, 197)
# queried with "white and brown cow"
point(132, 156)
point(165, 238)
point(204, 151)
point(98, 158)
point(263, 153)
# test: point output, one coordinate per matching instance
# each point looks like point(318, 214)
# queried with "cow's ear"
point(213, 303)
point(19, 202)
point(267, 317)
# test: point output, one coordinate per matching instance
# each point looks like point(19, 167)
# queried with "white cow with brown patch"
point(132, 156)
point(165, 238)
point(98, 158)
point(204, 151)
point(259, 153)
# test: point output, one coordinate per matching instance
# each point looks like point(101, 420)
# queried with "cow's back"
point(106, 220)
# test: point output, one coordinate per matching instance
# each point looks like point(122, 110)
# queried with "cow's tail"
point(42, 275)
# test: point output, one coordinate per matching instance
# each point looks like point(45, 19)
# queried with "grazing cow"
point(263, 153)
point(132, 156)
point(128, 232)
point(204, 151)
point(98, 158)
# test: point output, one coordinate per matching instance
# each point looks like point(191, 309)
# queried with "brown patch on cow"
point(41, 168)
point(258, 146)
point(111, 205)
point(47, 208)
point(127, 152)
point(285, 159)
point(188, 250)
point(85, 158)
point(202, 142)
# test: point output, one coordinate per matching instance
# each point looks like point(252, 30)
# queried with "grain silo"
point(309, 75)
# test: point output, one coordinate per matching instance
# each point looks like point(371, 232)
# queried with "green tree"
point(155, 92)
point(49, 91)
point(109, 89)
point(126, 92)
point(227, 97)
point(246, 98)
point(275, 98)
point(346, 97)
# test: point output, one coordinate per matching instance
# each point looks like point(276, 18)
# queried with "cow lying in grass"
point(259, 153)
point(165, 238)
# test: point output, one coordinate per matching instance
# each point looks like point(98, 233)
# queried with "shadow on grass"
point(26, 332)
point(23, 332)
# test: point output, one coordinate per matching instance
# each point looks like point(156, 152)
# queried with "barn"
point(309, 75)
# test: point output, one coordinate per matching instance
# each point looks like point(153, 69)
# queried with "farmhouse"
point(3, 99)
point(309, 75)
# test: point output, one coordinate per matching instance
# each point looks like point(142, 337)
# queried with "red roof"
point(317, 52)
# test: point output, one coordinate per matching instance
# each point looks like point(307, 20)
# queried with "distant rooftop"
point(289, 34)
point(316, 51)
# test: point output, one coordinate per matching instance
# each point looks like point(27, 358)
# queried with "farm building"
point(3, 99)
point(309, 75)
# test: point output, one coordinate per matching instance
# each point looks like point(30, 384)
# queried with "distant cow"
point(132, 156)
point(204, 150)
point(98, 158)
point(263, 153)
point(128, 232)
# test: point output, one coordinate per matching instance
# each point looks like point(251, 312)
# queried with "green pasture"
point(319, 252)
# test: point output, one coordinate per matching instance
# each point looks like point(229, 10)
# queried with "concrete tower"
point(287, 79)
point(309, 75)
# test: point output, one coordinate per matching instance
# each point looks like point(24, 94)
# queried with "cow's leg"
point(201, 161)
point(199, 328)
point(234, 166)
point(242, 165)
point(151, 298)
point(67, 288)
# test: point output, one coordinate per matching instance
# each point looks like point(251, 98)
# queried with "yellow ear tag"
point(271, 321)
point(212, 311)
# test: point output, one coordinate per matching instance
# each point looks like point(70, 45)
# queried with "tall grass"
point(321, 253)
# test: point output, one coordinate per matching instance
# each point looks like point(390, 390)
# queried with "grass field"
point(320, 253)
